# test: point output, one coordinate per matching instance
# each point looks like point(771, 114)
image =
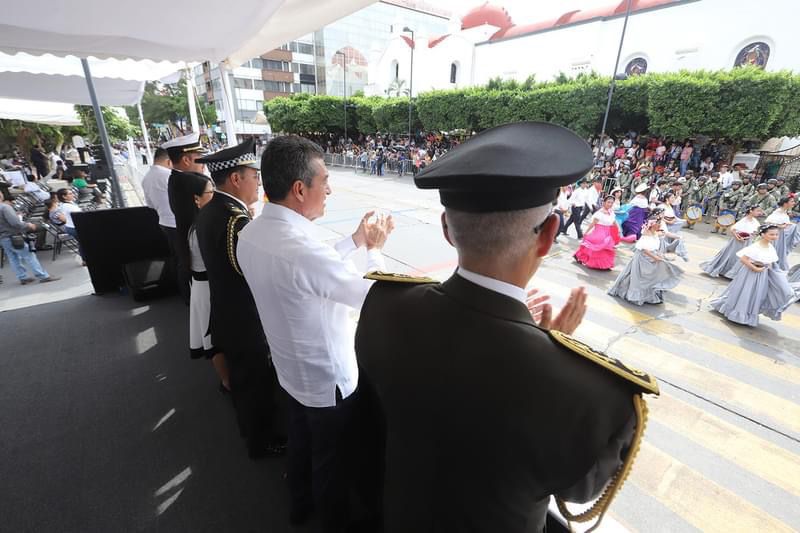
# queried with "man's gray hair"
point(507, 234)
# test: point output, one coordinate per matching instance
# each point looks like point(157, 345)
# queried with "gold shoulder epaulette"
point(401, 278)
point(642, 379)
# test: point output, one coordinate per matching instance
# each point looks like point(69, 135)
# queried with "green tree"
point(168, 104)
point(119, 128)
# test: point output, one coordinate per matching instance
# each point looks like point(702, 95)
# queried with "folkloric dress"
point(644, 279)
point(752, 293)
point(726, 262)
point(597, 247)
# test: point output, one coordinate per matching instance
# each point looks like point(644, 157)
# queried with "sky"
point(524, 11)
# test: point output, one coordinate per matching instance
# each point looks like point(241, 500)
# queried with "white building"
point(662, 36)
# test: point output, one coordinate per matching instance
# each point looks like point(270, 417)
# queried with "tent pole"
point(119, 199)
point(145, 135)
point(230, 115)
point(190, 98)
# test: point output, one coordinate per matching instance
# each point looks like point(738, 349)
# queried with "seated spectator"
point(76, 176)
point(64, 212)
point(18, 251)
point(31, 186)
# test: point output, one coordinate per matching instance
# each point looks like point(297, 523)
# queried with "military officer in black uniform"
point(234, 324)
point(184, 153)
point(487, 413)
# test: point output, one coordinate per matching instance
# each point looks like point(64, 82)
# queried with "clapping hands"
point(373, 234)
point(568, 319)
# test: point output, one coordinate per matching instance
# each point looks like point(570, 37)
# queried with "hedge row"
point(743, 103)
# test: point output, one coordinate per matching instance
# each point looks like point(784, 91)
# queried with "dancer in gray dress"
point(789, 235)
point(726, 263)
point(648, 274)
point(671, 241)
point(759, 287)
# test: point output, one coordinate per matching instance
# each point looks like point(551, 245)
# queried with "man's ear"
point(298, 190)
point(547, 234)
point(445, 230)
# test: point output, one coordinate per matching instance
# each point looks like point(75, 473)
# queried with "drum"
point(694, 214)
point(726, 218)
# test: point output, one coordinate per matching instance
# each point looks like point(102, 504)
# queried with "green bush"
point(740, 104)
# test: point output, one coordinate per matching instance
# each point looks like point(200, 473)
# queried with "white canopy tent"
point(54, 113)
point(148, 31)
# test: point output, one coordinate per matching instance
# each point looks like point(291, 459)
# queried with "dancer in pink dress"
point(602, 236)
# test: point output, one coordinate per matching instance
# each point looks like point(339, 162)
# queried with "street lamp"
point(411, 81)
point(344, 91)
point(615, 77)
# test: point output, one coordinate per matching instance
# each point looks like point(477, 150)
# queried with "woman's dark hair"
point(785, 200)
point(609, 197)
point(185, 209)
point(49, 205)
point(749, 209)
point(763, 228)
point(62, 194)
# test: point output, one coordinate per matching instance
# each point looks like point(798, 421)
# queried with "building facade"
point(662, 36)
point(334, 60)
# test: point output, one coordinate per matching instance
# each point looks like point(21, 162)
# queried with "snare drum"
point(726, 218)
point(694, 214)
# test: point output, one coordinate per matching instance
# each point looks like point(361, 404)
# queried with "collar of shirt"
point(512, 291)
point(231, 196)
point(291, 216)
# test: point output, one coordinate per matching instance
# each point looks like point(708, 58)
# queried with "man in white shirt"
point(582, 200)
point(726, 177)
point(154, 185)
point(304, 290)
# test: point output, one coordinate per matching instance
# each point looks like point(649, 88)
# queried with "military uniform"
point(711, 197)
point(747, 190)
point(234, 323)
point(177, 238)
point(730, 200)
point(766, 202)
point(487, 415)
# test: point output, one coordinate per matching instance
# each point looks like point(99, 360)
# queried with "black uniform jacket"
point(234, 323)
point(486, 415)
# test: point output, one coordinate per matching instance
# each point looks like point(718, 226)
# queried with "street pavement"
point(722, 445)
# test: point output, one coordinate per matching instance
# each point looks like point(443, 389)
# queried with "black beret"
point(509, 167)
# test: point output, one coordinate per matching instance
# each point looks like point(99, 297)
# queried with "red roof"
point(436, 40)
point(499, 17)
point(486, 14)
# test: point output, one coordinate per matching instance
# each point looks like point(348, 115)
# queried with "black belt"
point(199, 276)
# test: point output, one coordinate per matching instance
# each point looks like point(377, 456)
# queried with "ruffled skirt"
point(645, 280)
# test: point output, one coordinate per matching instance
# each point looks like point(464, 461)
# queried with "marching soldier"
point(730, 200)
point(764, 200)
point(772, 189)
point(711, 193)
point(747, 187)
point(235, 326)
point(781, 187)
point(184, 153)
point(489, 413)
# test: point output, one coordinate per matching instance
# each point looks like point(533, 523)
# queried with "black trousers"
point(333, 451)
point(177, 271)
point(578, 214)
point(253, 389)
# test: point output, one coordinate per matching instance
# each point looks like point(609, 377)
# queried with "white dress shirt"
point(512, 291)
point(304, 289)
point(727, 179)
point(66, 209)
point(154, 184)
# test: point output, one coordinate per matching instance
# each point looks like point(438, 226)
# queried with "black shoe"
point(266, 450)
point(223, 389)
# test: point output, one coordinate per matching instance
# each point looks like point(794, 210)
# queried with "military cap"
point(780, 178)
point(761, 186)
point(184, 144)
point(772, 180)
point(736, 182)
point(241, 155)
point(509, 167)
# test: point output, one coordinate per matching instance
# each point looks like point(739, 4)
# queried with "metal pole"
point(230, 114)
point(614, 76)
point(119, 200)
point(411, 85)
point(190, 101)
point(145, 135)
point(344, 57)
